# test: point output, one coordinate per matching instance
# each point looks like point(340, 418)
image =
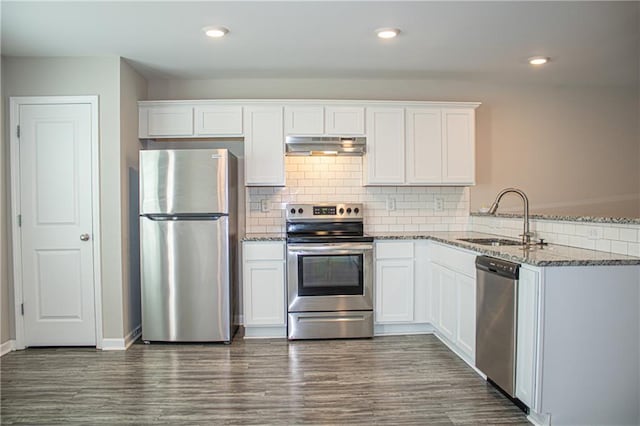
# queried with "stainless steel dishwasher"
point(496, 310)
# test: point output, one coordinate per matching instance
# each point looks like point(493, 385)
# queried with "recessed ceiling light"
point(387, 32)
point(538, 60)
point(215, 32)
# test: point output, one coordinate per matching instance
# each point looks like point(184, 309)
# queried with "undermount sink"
point(492, 241)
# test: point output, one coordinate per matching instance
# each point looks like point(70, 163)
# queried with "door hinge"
point(19, 221)
point(22, 309)
point(18, 131)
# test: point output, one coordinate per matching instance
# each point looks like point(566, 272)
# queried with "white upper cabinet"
point(439, 148)
point(458, 143)
point(218, 120)
point(424, 145)
point(165, 121)
point(385, 146)
point(304, 120)
point(179, 120)
point(318, 120)
point(264, 146)
point(344, 120)
point(408, 143)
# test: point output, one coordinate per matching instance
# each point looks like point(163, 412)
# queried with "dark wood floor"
point(386, 380)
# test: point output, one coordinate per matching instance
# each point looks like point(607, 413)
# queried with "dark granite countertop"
point(549, 255)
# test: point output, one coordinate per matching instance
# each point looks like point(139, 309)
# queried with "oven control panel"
point(324, 211)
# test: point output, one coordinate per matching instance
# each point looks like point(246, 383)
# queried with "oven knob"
point(356, 210)
point(300, 211)
point(293, 211)
point(341, 211)
point(349, 210)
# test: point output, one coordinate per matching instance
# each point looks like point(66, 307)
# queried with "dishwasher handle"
point(498, 266)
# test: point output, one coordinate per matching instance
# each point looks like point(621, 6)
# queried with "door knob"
point(84, 237)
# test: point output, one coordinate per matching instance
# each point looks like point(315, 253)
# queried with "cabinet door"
point(264, 146)
point(466, 335)
point(304, 120)
point(424, 146)
point(385, 146)
point(394, 290)
point(448, 304)
point(218, 120)
point(434, 294)
point(526, 346)
point(264, 293)
point(458, 131)
point(166, 121)
point(344, 121)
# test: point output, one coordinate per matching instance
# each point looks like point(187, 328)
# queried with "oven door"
point(330, 277)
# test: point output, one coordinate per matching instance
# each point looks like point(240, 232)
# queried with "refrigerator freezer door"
point(180, 181)
point(185, 280)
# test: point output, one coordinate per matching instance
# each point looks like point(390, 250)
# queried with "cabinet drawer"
point(394, 250)
point(455, 259)
point(259, 250)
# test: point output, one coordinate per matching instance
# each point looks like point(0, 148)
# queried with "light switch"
point(264, 206)
point(439, 205)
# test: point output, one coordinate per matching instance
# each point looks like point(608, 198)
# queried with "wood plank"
point(388, 380)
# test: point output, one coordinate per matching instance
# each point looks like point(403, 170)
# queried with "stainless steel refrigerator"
point(188, 244)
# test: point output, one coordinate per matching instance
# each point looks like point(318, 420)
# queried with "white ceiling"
point(589, 42)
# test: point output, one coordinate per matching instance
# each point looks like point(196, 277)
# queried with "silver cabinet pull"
point(84, 237)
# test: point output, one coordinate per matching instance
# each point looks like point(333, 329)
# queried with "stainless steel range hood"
point(332, 145)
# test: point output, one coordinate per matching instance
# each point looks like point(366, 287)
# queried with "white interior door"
point(56, 228)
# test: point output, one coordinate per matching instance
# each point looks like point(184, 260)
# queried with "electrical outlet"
point(391, 204)
point(439, 205)
point(593, 234)
point(264, 206)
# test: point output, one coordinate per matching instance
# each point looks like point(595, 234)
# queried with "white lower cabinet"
point(466, 309)
point(448, 321)
point(394, 289)
point(264, 289)
point(452, 292)
point(528, 287)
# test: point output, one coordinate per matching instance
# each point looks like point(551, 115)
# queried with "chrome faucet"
point(526, 235)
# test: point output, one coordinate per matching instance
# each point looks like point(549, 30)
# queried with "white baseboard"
point(539, 419)
point(132, 336)
point(122, 343)
point(7, 347)
point(401, 329)
point(265, 332)
point(113, 344)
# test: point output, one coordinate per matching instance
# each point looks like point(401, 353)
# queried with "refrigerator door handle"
point(163, 217)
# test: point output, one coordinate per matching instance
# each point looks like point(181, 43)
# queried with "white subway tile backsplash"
point(633, 249)
point(611, 233)
point(628, 234)
point(614, 238)
point(619, 247)
point(339, 179)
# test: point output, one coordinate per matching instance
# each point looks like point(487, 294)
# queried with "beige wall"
point(84, 76)
point(132, 88)
point(572, 149)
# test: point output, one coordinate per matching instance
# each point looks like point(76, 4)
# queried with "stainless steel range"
point(329, 272)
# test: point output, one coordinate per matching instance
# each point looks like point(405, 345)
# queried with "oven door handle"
point(323, 248)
